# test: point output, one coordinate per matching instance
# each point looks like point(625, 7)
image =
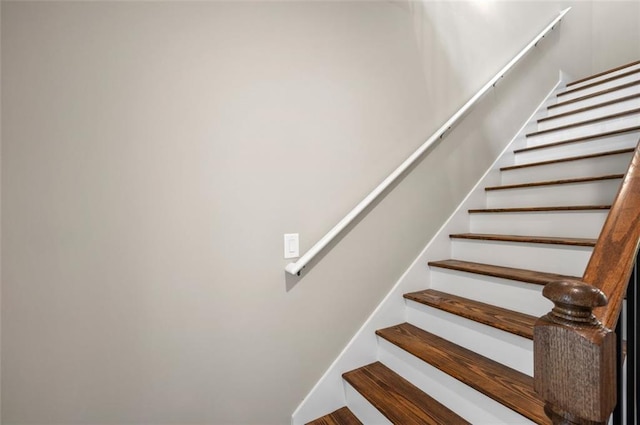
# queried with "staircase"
point(464, 352)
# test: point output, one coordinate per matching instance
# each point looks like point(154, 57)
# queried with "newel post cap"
point(574, 301)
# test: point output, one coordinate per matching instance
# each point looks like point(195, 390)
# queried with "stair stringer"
point(329, 392)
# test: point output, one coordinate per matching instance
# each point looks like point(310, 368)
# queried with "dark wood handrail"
point(574, 345)
point(613, 257)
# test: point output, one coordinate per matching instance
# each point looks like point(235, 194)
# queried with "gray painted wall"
point(153, 154)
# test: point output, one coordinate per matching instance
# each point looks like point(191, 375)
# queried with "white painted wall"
point(619, 46)
point(153, 155)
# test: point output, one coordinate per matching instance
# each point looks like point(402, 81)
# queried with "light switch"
point(291, 245)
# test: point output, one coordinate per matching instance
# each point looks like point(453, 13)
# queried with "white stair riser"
point(621, 141)
point(561, 259)
point(584, 130)
point(573, 224)
point(605, 76)
point(590, 114)
point(477, 408)
point(598, 88)
point(506, 348)
point(600, 166)
point(599, 192)
point(617, 94)
point(361, 407)
point(512, 294)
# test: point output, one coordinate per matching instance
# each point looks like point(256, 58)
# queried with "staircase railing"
point(575, 344)
point(295, 267)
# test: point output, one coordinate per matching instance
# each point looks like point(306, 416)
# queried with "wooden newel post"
point(574, 356)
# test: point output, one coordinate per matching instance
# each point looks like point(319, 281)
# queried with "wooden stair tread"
point(635, 111)
point(580, 139)
point(539, 209)
point(397, 399)
point(596, 83)
point(511, 273)
point(600, 74)
point(588, 108)
point(503, 384)
point(589, 96)
point(501, 318)
point(569, 159)
point(556, 182)
point(342, 416)
point(527, 239)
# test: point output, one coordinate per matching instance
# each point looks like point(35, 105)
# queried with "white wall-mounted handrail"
point(295, 267)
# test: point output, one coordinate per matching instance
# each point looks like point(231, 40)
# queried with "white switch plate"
point(291, 245)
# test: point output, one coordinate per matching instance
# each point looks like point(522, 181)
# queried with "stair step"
point(589, 128)
point(603, 73)
point(602, 142)
point(592, 190)
point(555, 182)
point(342, 416)
point(566, 255)
point(577, 221)
point(570, 165)
point(569, 159)
point(503, 384)
point(501, 345)
point(622, 90)
point(633, 111)
point(613, 94)
point(580, 139)
point(497, 317)
point(602, 105)
point(595, 86)
point(397, 399)
point(527, 239)
point(511, 273)
point(507, 293)
point(596, 94)
point(596, 83)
